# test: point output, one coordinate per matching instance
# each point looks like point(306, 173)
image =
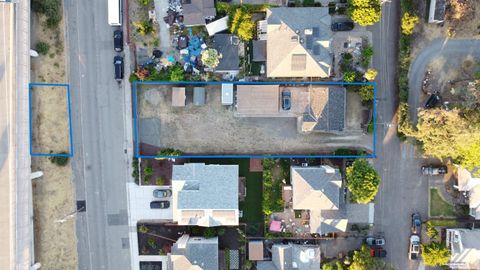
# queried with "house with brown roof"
point(195, 12)
point(298, 42)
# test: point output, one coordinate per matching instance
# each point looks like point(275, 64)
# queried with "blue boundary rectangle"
point(67, 86)
point(135, 122)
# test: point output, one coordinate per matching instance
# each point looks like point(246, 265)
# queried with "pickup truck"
point(414, 249)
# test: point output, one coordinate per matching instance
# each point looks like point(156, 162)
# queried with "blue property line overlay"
point(67, 86)
point(135, 122)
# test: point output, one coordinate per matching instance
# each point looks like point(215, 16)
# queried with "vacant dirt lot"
point(213, 128)
point(53, 196)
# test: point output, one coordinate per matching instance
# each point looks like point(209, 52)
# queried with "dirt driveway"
point(213, 128)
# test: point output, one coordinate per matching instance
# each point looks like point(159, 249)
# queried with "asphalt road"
point(446, 49)
point(100, 137)
point(403, 189)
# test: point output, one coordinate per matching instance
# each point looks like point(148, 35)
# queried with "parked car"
point(434, 170)
point(342, 26)
point(414, 249)
point(378, 252)
point(286, 100)
point(416, 223)
point(159, 204)
point(432, 101)
point(162, 193)
point(118, 63)
point(375, 241)
point(118, 40)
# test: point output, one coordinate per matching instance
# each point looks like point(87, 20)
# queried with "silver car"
point(162, 193)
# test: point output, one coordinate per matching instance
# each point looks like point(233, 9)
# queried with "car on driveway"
point(414, 249)
point(432, 101)
point(378, 252)
point(342, 26)
point(118, 40)
point(159, 204)
point(375, 241)
point(118, 63)
point(434, 170)
point(286, 100)
point(416, 223)
point(162, 193)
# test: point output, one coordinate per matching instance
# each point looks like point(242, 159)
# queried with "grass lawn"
point(252, 205)
point(450, 223)
point(439, 207)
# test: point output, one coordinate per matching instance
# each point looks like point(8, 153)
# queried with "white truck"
point(115, 10)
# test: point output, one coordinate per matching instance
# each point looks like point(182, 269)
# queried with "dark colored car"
point(118, 40)
point(434, 170)
point(342, 26)
point(286, 100)
point(118, 63)
point(432, 101)
point(416, 223)
point(162, 193)
point(378, 252)
point(375, 241)
point(159, 204)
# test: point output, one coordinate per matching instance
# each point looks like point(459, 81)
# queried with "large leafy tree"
point(211, 58)
point(362, 260)
point(241, 24)
point(362, 181)
point(435, 254)
point(364, 12)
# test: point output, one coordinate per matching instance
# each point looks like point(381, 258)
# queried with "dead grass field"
point(53, 194)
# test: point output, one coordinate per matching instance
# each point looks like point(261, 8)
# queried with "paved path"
point(403, 189)
point(449, 50)
point(100, 117)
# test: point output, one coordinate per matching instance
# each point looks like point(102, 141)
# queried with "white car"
point(414, 249)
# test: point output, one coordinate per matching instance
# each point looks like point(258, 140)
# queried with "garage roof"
point(258, 99)
point(178, 96)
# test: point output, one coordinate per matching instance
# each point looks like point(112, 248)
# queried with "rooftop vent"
point(308, 31)
point(294, 38)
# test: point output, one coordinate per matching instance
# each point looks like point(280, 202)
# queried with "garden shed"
point(199, 96)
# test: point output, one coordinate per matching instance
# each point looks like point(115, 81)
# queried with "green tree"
point(469, 153)
point(362, 181)
point(435, 254)
point(366, 93)
point(367, 53)
point(170, 152)
point(52, 9)
point(42, 47)
point(349, 76)
point(241, 24)
point(210, 232)
point(431, 231)
point(364, 12)
point(339, 265)
point(408, 23)
point(361, 260)
point(328, 266)
point(211, 58)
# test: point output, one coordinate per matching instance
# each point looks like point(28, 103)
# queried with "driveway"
point(403, 189)
point(452, 51)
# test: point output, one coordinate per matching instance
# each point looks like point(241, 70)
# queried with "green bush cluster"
point(59, 160)
point(52, 9)
point(404, 55)
point(272, 189)
point(42, 47)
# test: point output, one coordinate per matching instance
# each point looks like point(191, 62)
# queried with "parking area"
point(139, 200)
point(213, 128)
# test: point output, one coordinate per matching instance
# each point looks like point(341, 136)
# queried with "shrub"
point(349, 76)
point(170, 152)
point(51, 9)
point(143, 229)
point(364, 12)
point(135, 174)
point(144, 28)
point(408, 23)
point(366, 93)
point(42, 47)
point(211, 58)
point(59, 160)
point(160, 181)
point(144, 2)
point(370, 74)
point(362, 181)
point(435, 254)
point(151, 242)
point(221, 231)
point(308, 3)
point(367, 53)
point(210, 232)
point(241, 24)
point(177, 74)
point(431, 231)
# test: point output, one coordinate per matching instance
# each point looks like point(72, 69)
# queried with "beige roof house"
point(464, 246)
point(205, 195)
point(319, 190)
point(471, 185)
point(255, 250)
point(298, 42)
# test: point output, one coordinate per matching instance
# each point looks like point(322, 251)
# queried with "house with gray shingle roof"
point(292, 256)
point(298, 42)
point(196, 11)
point(194, 253)
point(326, 111)
point(205, 195)
point(319, 190)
